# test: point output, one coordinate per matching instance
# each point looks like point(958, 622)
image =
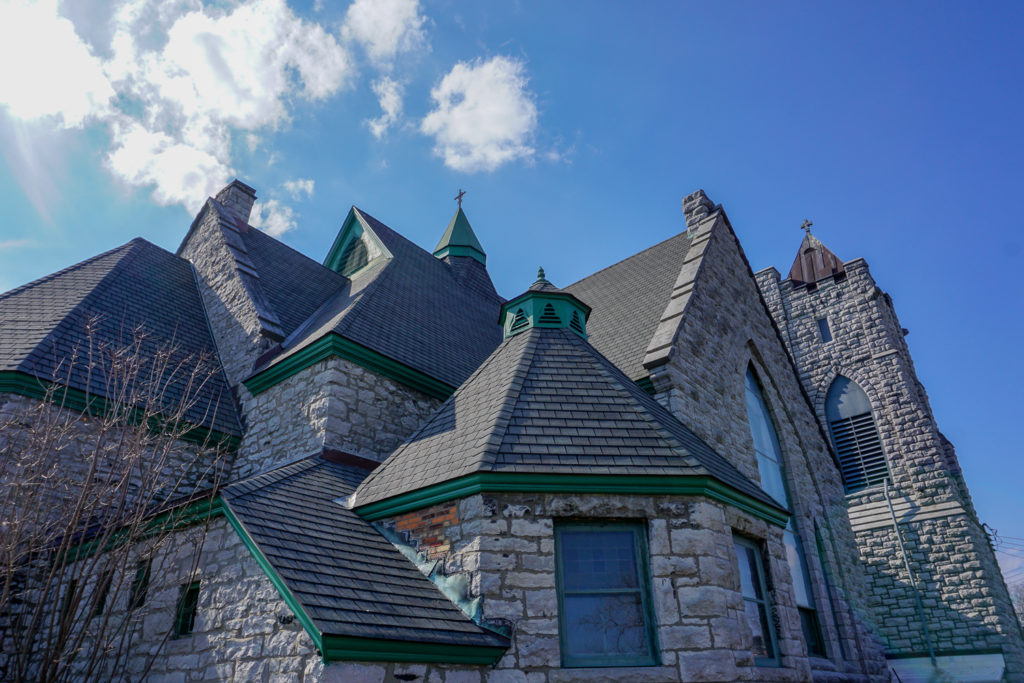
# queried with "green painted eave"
point(90, 404)
point(505, 482)
point(333, 345)
point(350, 648)
point(460, 240)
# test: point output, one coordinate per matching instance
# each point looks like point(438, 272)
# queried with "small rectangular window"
point(188, 603)
point(140, 584)
point(756, 602)
point(824, 331)
point(67, 607)
point(102, 591)
point(604, 602)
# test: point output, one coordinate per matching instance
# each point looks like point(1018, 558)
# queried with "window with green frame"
point(756, 603)
point(604, 599)
point(188, 603)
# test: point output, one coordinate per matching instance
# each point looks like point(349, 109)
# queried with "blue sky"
point(576, 128)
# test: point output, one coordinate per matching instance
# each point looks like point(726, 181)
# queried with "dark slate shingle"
point(349, 579)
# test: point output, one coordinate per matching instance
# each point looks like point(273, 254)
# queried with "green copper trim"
point(544, 308)
point(646, 485)
point(646, 384)
point(75, 399)
point(338, 648)
point(460, 240)
point(334, 345)
point(353, 222)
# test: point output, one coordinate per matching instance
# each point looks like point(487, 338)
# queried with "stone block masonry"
point(966, 605)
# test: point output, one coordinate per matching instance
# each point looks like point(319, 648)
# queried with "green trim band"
point(339, 648)
point(646, 384)
point(647, 485)
point(459, 250)
point(334, 345)
point(75, 399)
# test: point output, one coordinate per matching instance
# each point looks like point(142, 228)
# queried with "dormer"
point(356, 247)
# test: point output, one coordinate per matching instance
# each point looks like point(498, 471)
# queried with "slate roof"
point(348, 578)
point(547, 402)
point(136, 285)
point(628, 299)
point(411, 308)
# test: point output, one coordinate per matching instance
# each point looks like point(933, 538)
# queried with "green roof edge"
point(334, 345)
point(22, 384)
point(352, 648)
point(503, 482)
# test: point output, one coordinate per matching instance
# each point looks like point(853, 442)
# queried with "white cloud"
point(272, 217)
point(178, 81)
point(47, 70)
point(389, 94)
point(16, 244)
point(385, 28)
point(484, 116)
point(299, 187)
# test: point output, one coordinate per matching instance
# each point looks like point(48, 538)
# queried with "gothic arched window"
point(855, 435)
point(770, 466)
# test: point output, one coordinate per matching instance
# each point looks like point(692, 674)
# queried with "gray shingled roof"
point(547, 402)
point(137, 285)
point(628, 299)
point(412, 309)
point(348, 578)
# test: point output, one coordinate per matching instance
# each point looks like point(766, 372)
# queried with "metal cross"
point(806, 225)
point(459, 197)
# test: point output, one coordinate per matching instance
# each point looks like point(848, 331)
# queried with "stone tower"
point(936, 590)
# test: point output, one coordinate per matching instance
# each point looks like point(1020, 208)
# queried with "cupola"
point(544, 305)
point(460, 240)
point(814, 261)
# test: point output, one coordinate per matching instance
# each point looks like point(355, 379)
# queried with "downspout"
point(913, 578)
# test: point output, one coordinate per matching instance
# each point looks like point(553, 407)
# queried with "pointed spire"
point(814, 261)
point(459, 239)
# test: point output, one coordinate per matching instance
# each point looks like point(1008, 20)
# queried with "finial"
point(806, 225)
point(459, 197)
point(540, 275)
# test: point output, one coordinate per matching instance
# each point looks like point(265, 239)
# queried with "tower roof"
point(460, 240)
point(814, 261)
point(547, 406)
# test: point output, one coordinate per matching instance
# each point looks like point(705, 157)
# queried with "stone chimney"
point(696, 206)
point(238, 197)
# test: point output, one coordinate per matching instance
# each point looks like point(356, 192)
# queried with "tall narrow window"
point(188, 603)
point(140, 584)
point(824, 331)
point(99, 602)
point(769, 464)
point(855, 436)
point(755, 601)
point(604, 601)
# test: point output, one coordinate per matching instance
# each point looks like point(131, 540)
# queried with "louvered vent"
point(549, 316)
point(519, 322)
point(860, 452)
point(354, 256)
point(576, 323)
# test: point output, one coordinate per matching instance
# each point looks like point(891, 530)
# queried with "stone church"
point(675, 469)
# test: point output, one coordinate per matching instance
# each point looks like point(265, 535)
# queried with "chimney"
point(238, 197)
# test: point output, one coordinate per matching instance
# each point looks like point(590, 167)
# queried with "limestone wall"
point(505, 544)
point(966, 602)
point(333, 404)
point(724, 329)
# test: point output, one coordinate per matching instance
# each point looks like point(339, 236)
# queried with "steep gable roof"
point(628, 299)
point(137, 286)
point(409, 308)
point(347, 577)
point(546, 402)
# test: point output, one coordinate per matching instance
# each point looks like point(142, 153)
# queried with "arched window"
point(855, 435)
point(770, 466)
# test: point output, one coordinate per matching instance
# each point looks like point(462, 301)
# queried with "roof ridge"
point(274, 475)
point(74, 266)
point(490, 452)
point(628, 258)
point(101, 286)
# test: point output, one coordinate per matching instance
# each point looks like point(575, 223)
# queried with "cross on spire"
point(806, 225)
point(459, 196)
